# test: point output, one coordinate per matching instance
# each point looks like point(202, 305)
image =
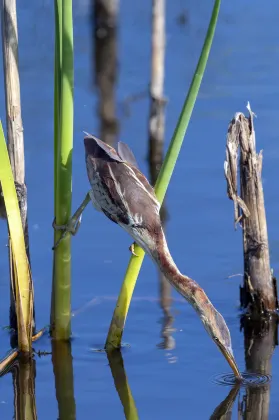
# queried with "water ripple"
point(248, 379)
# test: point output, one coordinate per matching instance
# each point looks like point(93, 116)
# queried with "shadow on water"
point(121, 384)
point(64, 379)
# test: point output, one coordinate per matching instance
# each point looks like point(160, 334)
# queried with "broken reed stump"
point(15, 139)
point(259, 292)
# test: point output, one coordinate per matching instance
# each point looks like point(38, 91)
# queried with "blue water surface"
point(243, 65)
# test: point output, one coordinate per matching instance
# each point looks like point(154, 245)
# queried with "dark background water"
point(175, 383)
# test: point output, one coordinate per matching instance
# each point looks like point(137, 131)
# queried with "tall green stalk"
point(122, 306)
point(63, 145)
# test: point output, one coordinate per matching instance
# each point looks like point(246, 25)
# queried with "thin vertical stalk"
point(61, 295)
point(157, 101)
point(15, 139)
point(122, 306)
point(157, 127)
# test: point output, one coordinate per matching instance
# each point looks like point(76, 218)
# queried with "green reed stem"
point(63, 146)
point(122, 306)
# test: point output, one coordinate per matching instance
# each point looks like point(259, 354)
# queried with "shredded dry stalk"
point(258, 292)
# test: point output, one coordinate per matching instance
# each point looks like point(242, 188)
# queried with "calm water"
point(171, 383)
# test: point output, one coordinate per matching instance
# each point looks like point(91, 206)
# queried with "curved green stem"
point(122, 306)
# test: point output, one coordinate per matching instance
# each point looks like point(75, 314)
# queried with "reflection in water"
point(104, 32)
point(121, 384)
point(224, 410)
point(64, 381)
point(168, 342)
point(164, 285)
point(24, 372)
point(260, 339)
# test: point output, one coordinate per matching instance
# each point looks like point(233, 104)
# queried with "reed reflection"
point(24, 372)
point(104, 14)
point(260, 339)
point(168, 342)
point(64, 379)
point(121, 384)
point(155, 160)
point(156, 132)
